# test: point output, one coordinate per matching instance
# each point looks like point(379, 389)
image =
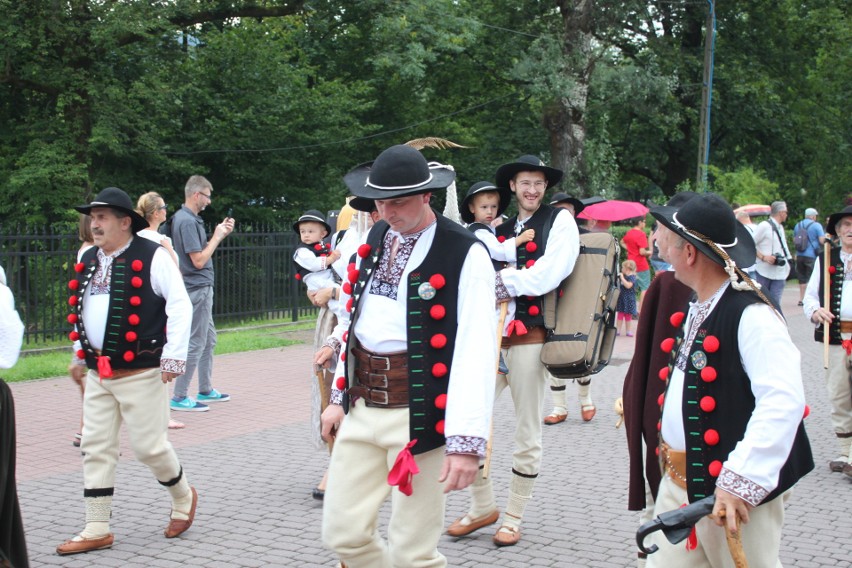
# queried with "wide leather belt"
point(382, 378)
point(846, 327)
point(535, 334)
point(675, 464)
point(121, 373)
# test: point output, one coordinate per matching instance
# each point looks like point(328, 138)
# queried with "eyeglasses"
point(162, 207)
point(207, 195)
point(526, 184)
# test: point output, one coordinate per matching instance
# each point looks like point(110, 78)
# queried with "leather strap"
point(535, 334)
point(846, 327)
point(675, 464)
point(382, 378)
point(380, 398)
point(369, 361)
point(394, 379)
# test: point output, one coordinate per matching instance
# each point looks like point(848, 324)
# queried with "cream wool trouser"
point(364, 452)
point(141, 401)
point(761, 536)
point(839, 383)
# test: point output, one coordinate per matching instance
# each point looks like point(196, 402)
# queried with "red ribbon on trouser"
point(104, 368)
point(404, 469)
point(692, 539)
point(517, 327)
point(847, 345)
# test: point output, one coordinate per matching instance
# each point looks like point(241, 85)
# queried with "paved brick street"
point(254, 469)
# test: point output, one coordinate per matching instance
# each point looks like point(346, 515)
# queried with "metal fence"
point(254, 277)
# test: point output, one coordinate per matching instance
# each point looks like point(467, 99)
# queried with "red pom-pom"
point(298, 276)
point(73, 284)
point(129, 356)
point(345, 336)
point(364, 250)
point(136, 282)
point(832, 270)
point(663, 374)
point(350, 266)
point(352, 275)
point(438, 341)
point(711, 437)
point(441, 401)
point(349, 305)
point(807, 411)
point(73, 336)
point(661, 399)
point(130, 336)
point(72, 301)
point(79, 267)
point(133, 319)
point(529, 263)
point(659, 425)
point(667, 344)
point(437, 311)
point(439, 370)
point(715, 468)
point(657, 451)
point(135, 300)
point(534, 310)
point(711, 344)
point(347, 288)
point(677, 318)
point(72, 318)
point(318, 246)
point(341, 383)
point(501, 239)
point(438, 281)
point(136, 265)
point(439, 427)
point(343, 355)
point(707, 404)
point(81, 354)
point(531, 246)
point(708, 374)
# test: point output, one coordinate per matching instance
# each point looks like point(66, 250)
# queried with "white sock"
point(558, 396)
point(520, 491)
point(584, 392)
point(482, 497)
point(98, 512)
point(181, 499)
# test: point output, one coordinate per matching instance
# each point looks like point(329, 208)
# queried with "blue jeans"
point(202, 340)
point(772, 288)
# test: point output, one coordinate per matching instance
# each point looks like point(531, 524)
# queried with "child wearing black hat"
point(314, 257)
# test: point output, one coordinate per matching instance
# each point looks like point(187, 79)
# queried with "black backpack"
point(800, 236)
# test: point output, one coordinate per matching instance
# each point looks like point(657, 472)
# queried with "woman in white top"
point(152, 206)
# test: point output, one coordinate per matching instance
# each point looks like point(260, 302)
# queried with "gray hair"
point(196, 184)
point(777, 207)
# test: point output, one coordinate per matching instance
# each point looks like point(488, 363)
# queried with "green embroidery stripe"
point(417, 386)
point(418, 399)
point(416, 327)
point(420, 414)
point(416, 356)
point(416, 370)
point(419, 428)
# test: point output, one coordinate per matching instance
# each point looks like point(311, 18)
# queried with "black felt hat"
point(835, 218)
point(527, 163)
point(479, 187)
point(399, 171)
point(561, 197)
point(313, 216)
point(117, 199)
point(708, 217)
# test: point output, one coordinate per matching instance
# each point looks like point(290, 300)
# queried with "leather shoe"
point(179, 526)
point(587, 411)
point(552, 419)
point(459, 528)
point(836, 466)
point(507, 536)
point(318, 494)
point(847, 470)
point(76, 546)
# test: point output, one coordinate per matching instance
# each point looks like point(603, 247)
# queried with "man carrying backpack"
point(808, 238)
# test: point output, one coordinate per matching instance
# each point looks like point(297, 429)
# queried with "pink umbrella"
point(614, 210)
point(753, 210)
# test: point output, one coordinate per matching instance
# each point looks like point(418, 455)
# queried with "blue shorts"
point(643, 280)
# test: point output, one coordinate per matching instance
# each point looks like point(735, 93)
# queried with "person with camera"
point(773, 254)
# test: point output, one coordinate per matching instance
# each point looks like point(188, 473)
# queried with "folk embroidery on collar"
point(388, 274)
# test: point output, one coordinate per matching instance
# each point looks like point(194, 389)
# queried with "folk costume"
point(311, 261)
point(540, 267)
point(121, 304)
point(734, 402)
point(416, 377)
point(839, 337)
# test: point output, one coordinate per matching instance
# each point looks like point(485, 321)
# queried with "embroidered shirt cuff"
point(500, 289)
point(334, 343)
point(470, 445)
point(336, 396)
point(739, 486)
point(173, 366)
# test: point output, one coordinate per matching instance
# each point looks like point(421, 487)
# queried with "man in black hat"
point(125, 293)
point(416, 378)
point(732, 411)
point(838, 317)
point(541, 266)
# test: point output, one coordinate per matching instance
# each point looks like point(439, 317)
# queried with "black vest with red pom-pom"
point(136, 321)
point(718, 401)
point(473, 227)
point(528, 308)
point(836, 274)
point(432, 324)
point(319, 249)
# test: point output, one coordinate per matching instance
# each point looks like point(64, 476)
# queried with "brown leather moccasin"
point(552, 419)
point(85, 545)
point(836, 466)
point(587, 411)
point(461, 528)
point(507, 536)
point(179, 526)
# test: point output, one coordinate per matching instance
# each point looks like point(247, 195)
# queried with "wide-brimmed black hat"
point(561, 197)
point(363, 204)
point(835, 218)
point(708, 217)
point(117, 199)
point(479, 187)
point(527, 163)
point(313, 216)
point(399, 171)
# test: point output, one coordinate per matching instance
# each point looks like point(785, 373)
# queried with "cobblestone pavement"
point(254, 469)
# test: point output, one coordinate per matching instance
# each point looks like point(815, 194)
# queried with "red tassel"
point(692, 539)
point(104, 368)
point(517, 327)
point(847, 345)
point(404, 469)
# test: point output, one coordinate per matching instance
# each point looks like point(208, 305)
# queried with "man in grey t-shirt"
point(194, 254)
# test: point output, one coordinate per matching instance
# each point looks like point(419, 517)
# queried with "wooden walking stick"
point(735, 544)
point(826, 285)
point(319, 372)
point(488, 447)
